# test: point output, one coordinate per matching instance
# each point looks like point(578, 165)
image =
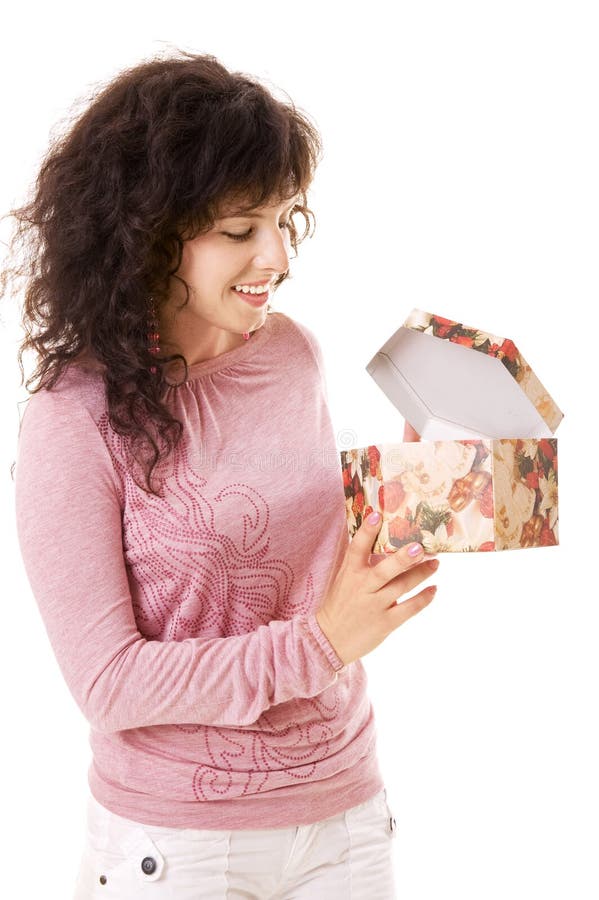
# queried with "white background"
point(460, 176)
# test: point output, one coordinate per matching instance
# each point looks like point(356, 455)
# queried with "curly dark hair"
point(147, 165)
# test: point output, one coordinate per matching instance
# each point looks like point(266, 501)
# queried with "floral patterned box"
point(455, 495)
point(484, 477)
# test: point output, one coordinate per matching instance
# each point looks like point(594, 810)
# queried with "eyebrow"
point(247, 213)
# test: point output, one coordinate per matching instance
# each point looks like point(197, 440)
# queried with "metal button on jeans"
point(148, 865)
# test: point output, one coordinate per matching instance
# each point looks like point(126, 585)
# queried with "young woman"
point(180, 507)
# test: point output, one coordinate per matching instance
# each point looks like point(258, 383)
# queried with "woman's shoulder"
point(79, 389)
point(299, 338)
point(292, 328)
point(61, 435)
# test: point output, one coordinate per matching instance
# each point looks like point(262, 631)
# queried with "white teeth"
point(252, 289)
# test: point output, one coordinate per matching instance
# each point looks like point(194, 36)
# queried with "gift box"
point(484, 476)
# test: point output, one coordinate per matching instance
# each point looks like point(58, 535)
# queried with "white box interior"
point(447, 391)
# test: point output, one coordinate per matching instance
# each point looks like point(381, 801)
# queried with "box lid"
point(452, 381)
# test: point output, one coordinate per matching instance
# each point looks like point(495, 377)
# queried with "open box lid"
point(451, 381)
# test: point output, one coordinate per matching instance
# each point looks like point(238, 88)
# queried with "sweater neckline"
point(239, 354)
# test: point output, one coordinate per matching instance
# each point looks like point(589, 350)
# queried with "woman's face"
point(244, 248)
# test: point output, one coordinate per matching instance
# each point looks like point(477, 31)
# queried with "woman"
point(180, 508)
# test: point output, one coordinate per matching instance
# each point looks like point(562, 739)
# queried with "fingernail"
point(415, 550)
point(373, 518)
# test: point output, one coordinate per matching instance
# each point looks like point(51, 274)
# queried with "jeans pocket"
point(120, 870)
point(376, 814)
point(384, 812)
point(370, 850)
point(126, 860)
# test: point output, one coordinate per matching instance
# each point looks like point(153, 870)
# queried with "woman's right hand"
point(360, 609)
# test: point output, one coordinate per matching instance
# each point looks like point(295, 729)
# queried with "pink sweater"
point(185, 625)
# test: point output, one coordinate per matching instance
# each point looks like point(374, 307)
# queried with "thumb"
point(361, 545)
point(410, 433)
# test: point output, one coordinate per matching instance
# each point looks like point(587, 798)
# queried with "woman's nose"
point(274, 251)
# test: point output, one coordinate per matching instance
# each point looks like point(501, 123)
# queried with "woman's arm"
point(70, 534)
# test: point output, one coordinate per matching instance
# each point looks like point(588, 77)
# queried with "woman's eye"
point(245, 235)
point(238, 237)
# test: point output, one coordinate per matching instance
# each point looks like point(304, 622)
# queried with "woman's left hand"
point(410, 434)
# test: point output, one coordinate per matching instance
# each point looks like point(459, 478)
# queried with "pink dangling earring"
point(246, 335)
point(153, 334)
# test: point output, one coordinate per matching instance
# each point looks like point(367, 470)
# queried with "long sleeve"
point(69, 523)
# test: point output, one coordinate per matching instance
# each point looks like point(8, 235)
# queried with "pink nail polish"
point(373, 518)
point(415, 550)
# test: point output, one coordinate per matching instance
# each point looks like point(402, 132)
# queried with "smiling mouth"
point(255, 300)
point(245, 287)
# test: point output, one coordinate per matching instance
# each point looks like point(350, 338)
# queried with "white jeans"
point(346, 857)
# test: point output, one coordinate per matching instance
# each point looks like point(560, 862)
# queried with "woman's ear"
point(409, 434)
